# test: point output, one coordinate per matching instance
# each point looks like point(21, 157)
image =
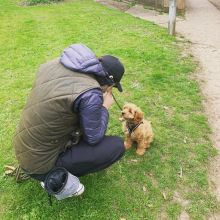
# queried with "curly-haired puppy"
point(136, 128)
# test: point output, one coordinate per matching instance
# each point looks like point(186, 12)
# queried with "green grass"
point(157, 79)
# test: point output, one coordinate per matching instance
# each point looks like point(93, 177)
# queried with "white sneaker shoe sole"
point(79, 191)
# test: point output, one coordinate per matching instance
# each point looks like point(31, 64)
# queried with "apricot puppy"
point(136, 128)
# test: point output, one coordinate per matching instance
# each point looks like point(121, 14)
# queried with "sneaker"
point(62, 184)
point(78, 192)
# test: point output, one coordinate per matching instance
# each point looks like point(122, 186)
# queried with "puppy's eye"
point(130, 111)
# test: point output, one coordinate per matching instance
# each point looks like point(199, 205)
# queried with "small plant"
point(35, 2)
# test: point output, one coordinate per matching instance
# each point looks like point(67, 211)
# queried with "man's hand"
point(108, 98)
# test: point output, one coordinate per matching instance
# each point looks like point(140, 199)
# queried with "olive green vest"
point(48, 119)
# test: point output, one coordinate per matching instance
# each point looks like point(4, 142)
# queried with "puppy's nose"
point(122, 113)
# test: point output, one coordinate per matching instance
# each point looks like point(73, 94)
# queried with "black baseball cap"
point(114, 70)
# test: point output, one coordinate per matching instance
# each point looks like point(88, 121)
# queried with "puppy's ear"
point(139, 115)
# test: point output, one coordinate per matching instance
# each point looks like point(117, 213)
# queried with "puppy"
point(136, 128)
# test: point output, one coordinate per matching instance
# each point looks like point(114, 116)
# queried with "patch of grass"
point(157, 79)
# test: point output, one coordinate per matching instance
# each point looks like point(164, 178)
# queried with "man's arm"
point(93, 115)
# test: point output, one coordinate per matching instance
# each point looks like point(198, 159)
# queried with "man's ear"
point(139, 115)
point(104, 88)
point(109, 89)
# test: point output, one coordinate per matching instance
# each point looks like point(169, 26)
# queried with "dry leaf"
point(181, 172)
point(133, 160)
point(122, 218)
point(164, 196)
point(8, 172)
point(144, 189)
point(7, 167)
point(148, 174)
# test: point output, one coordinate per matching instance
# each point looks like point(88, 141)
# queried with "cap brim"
point(118, 86)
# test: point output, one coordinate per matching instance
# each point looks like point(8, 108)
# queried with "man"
point(61, 133)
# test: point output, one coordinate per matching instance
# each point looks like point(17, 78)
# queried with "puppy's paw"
point(140, 152)
point(127, 145)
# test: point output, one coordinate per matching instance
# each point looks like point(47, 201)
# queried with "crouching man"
point(61, 134)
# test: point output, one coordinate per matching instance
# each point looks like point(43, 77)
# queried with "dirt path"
point(202, 28)
point(216, 3)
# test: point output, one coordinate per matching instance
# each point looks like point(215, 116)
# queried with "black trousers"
point(82, 159)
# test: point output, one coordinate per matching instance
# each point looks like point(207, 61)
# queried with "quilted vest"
point(48, 119)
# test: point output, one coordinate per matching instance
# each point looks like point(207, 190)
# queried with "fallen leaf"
point(8, 172)
point(181, 172)
point(148, 174)
point(144, 189)
point(133, 160)
point(7, 167)
point(164, 196)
